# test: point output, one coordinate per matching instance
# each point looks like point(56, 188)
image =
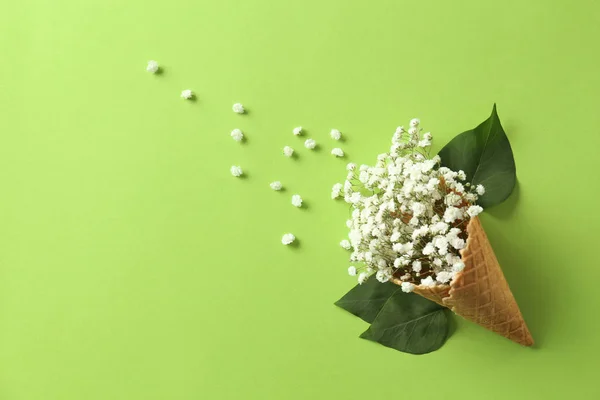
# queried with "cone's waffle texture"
point(480, 292)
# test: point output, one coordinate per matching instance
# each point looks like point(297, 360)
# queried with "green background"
point(133, 266)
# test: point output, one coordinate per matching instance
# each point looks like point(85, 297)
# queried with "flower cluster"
point(335, 134)
point(337, 152)
point(187, 94)
point(288, 151)
point(152, 67)
point(237, 135)
point(409, 214)
point(310, 144)
point(238, 108)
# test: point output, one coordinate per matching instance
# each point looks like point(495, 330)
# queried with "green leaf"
point(409, 323)
point(405, 322)
point(484, 153)
point(366, 300)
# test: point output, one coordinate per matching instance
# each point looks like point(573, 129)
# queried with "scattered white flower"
point(407, 287)
point(310, 144)
point(362, 277)
point(336, 190)
point(350, 167)
point(288, 151)
point(335, 134)
point(480, 190)
point(297, 200)
point(237, 135)
point(345, 244)
point(352, 270)
point(337, 152)
point(238, 108)
point(297, 131)
point(152, 66)
point(428, 282)
point(276, 185)
point(236, 171)
point(474, 211)
point(187, 94)
point(288, 238)
point(415, 122)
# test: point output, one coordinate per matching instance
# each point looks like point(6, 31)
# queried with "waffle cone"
point(480, 293)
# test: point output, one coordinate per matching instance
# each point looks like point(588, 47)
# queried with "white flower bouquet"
point(414, 228)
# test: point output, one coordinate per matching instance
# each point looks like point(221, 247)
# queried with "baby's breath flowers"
point(187, 94)
point(346, 244)
point(236, 171)
point(297, 131)
point(310, 144)
point(152, 67)
point(335, 134)
point(238, 108)
point(407, 287)
point(237, 135)
point(352, 270)
point(297, 200)
point(288, 151)
point(336, 190)
point(288, 238)
point(276, 185)
point(337, 152)
point(409, 213)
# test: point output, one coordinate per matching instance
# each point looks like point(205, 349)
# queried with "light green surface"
point(133, 266)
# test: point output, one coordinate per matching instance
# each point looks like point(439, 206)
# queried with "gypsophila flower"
point(362, 277)
point(443, 276)
point(187, 94)
point(152, 66)
point(276, 185)
point(336, 190)
point(416, 266)
point(480, 190)
point(337, 152)
point(237, 135)
point(409, 213)
point(352, 270)
point(459, 266)
point(428, 282)
point(297, 200)
point(297, 131)
point(382, 276)
point(288, 238)
point(415, 122)
point(288, 151)
point(407, 287)
point(236, 170)
point(310, 144)
point(345, 244)
point(238, 108)
point(335, 134)
point(474, 211)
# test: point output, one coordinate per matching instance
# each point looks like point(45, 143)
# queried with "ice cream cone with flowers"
point(415, 223)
